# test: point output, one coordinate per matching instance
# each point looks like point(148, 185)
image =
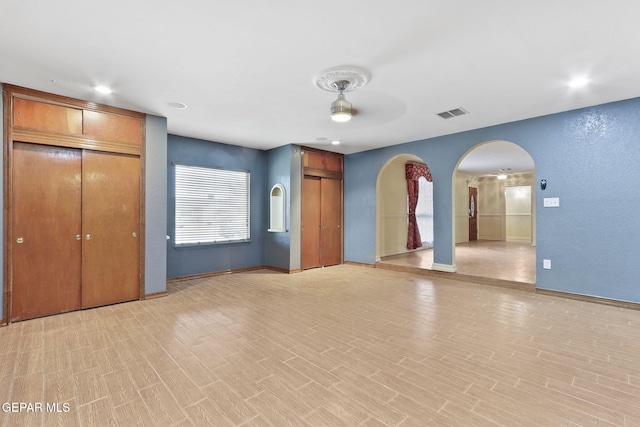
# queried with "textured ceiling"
point(246, 69)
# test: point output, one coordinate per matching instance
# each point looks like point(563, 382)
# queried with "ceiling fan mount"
point(342, 79)
point(355, 76)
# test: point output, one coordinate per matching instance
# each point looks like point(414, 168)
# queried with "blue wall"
point(155, 168)
point(590, 159)
point(188, 261)
point(277, 245)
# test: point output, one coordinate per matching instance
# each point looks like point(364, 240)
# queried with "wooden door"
point(473, 213)
point(311, 222)
point(110, 228)
point(46, 217)
point(331, 220)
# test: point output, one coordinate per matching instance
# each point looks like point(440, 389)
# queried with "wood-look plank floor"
point(339, 346)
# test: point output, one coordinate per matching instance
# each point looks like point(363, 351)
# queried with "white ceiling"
point(246, 69)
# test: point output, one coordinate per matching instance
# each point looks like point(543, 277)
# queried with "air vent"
point(453, 113)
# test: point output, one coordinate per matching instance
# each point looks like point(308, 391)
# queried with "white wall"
point(461, 205)
point(518, 213)
point(392, 209)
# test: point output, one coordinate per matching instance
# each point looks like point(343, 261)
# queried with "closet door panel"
point(46, 217)
point(311, 231)
point(331, 219)
point(110, 228)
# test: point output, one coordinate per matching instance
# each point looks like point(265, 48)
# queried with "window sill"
point(206, 244)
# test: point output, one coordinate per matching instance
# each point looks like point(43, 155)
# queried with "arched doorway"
point(500, 178)
point(395, 210)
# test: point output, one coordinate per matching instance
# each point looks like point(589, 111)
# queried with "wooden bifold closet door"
point(110, 227)
point(46, 250)
point(76, 216)
point(322, 220)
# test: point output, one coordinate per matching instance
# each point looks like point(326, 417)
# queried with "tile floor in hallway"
point(339, 346)
point(495, 259)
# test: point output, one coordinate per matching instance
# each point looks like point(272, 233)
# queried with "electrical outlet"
point(546, 264)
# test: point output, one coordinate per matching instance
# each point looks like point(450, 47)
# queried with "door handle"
point(88, 237)
point(78, 237)
point(20, 240)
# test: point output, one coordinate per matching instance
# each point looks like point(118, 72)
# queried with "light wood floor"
point(502, 260)
point(339, 346)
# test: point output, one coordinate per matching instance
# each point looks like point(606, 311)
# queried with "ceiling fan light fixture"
point(342, 79)
point(341, 109)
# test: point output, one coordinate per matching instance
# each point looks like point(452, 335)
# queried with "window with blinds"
point(212, 205)
point(424, 212)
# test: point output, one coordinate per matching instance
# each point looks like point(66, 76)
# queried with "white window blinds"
point(212, 205)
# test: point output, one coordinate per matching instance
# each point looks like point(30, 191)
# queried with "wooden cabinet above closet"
point(43, 117)
point(63, 122)
point(322, 163)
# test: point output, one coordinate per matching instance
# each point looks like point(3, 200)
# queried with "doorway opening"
point(404, 208)
point(503, 252)
point(499, 177)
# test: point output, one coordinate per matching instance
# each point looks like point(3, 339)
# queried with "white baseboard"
point(444, 267)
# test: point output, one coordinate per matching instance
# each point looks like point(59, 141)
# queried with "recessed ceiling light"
point(335, 142)
point(578, 82)
point(178, 105)
point(103, 89)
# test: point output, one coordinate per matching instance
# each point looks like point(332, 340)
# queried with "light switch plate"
point(551, 202)
point(546, 264)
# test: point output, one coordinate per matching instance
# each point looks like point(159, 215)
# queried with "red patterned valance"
point(416, 170)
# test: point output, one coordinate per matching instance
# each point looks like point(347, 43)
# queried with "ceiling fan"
point(342, 79)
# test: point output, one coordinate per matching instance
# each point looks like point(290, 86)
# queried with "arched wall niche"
point(277, 209)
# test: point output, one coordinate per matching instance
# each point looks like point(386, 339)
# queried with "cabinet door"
point(110, 228)
point(311, 231)
point(331, 219)
point(45, 254)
